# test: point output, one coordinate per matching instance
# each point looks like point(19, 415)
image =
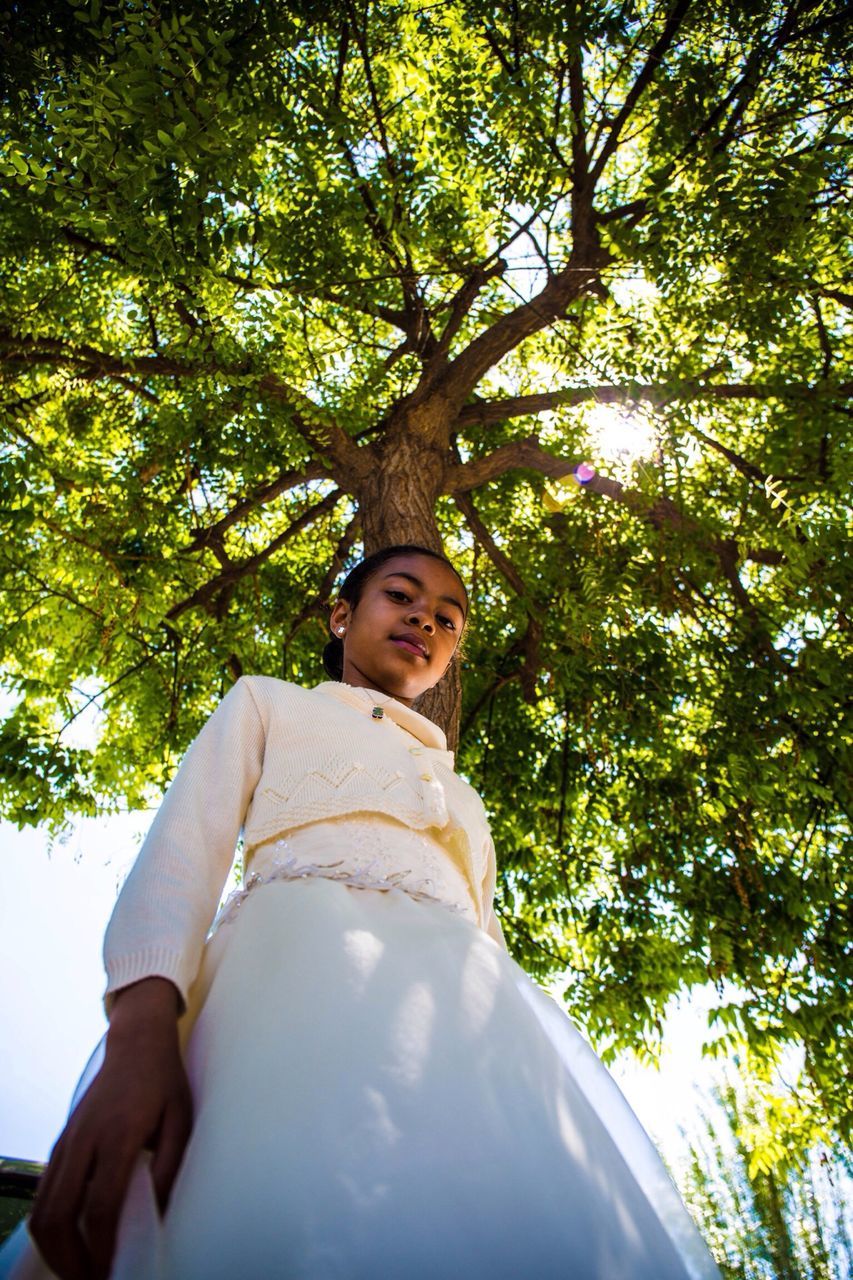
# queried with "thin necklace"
point(378, 709)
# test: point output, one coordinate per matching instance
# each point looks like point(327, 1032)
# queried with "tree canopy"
point(560, 287)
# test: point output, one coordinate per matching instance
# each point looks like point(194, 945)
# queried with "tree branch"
point(741, 464)
point(552, 136)
point(77, 238)
point(391, 315)
point(646, 75)
point(581, 275)
point(232, 575)
point(487, 412)
point(320, 601)
point(20, 349)
point(837, 295)
point(323, 434)
point(462, 302)
point(496, 685)
point(416, 318)
point(823, 338)
point(492, 42)
point(580, 158)
point(528, 454)
point(529, 643)
point(501, 562)
point(267, 493)
point(727, 552)
point(634, 211)
point(745, 88)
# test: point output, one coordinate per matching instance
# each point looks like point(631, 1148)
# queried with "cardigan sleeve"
point(168, 902)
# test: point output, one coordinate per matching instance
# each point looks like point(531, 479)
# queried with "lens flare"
point(619, 435)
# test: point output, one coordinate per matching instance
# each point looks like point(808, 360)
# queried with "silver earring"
point(341, 630)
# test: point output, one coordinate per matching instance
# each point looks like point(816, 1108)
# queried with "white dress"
point(381, 1093)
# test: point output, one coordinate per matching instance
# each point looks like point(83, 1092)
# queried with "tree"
point(296, 280)
point(768, 1211)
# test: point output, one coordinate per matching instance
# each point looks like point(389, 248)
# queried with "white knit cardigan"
point(273, 757)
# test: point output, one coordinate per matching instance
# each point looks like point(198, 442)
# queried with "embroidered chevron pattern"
point(337, 774)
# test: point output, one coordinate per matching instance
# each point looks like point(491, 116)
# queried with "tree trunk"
point(397, 505)
point(397, 498)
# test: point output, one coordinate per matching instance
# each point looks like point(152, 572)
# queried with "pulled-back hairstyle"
point(354, 584)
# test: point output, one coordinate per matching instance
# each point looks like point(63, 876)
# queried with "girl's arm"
point(169, 899)
point(139, 1098)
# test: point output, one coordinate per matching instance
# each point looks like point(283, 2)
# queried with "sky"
point(55, 902)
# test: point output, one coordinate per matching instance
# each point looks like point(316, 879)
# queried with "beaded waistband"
point(362, 852)
point(365, 877)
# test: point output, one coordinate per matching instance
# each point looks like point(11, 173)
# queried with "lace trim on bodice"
point(380, 854)
point(294, 868)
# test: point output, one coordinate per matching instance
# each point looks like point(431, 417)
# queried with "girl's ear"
point(339, 618)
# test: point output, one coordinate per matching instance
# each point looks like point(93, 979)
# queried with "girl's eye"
point(394, 594)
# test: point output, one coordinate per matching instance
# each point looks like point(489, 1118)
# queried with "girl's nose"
point(418, 620)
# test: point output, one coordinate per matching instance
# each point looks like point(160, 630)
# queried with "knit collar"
point(365, 700)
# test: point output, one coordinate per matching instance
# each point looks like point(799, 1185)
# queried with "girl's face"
point(402, 634)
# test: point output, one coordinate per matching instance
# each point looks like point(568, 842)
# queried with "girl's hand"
point(139, 1099)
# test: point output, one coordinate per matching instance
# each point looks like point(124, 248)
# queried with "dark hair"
point(354, 584)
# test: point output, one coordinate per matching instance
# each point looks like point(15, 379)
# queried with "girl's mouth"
point(411, 646)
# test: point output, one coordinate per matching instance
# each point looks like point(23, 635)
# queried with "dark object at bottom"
point(19, 1180)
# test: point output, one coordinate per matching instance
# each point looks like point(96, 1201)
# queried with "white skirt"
point(381, 1092)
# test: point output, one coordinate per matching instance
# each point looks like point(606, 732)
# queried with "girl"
point(349, 1077)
